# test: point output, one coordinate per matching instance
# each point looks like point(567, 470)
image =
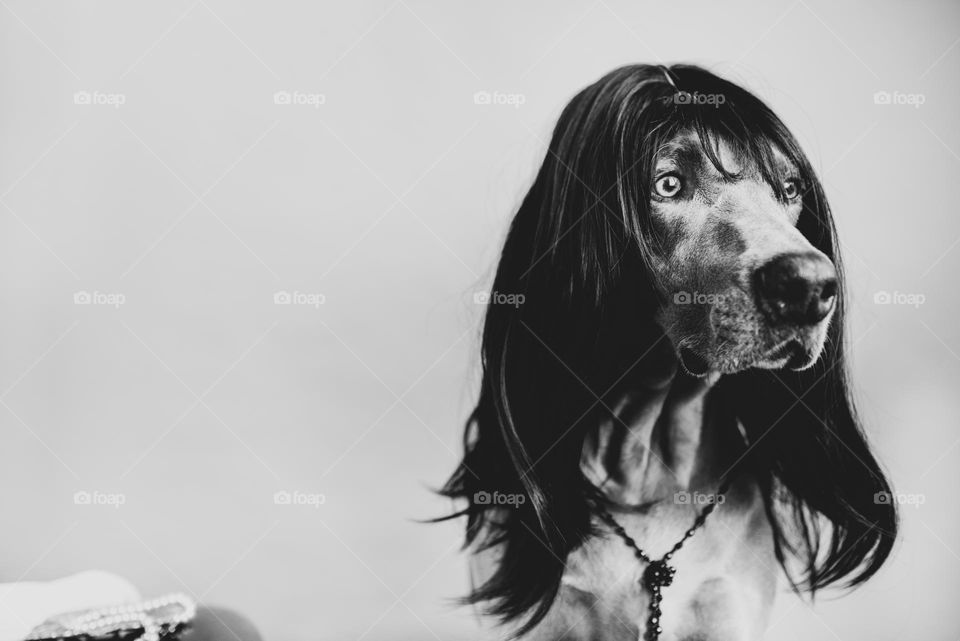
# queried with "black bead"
point(658, 574)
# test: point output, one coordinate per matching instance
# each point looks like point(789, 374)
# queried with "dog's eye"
point(668, 186)
point(791, 188)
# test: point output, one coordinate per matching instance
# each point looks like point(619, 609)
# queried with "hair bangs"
point(749, 129)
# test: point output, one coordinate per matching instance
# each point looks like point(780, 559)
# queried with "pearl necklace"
point(149, 620)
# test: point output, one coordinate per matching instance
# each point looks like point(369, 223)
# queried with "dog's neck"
point(661, 438)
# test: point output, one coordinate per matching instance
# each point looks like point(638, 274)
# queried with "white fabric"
point(24, 605)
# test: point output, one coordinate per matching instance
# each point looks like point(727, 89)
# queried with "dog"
point(679, 345)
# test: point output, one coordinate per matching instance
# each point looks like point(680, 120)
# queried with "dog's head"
point(677, 199)
point(743, 286)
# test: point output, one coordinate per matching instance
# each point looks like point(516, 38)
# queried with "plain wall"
point(199, 197)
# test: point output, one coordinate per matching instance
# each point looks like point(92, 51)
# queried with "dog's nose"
point(796, 289)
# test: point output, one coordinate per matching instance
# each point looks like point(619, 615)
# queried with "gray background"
point(199, 197)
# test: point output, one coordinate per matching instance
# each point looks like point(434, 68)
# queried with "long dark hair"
point(577, 256)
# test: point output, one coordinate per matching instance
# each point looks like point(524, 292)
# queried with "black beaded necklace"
point(659, 573)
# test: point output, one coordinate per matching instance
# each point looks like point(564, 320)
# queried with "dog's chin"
point(792, 354)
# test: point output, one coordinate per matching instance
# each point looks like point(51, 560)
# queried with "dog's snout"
point(796, 289)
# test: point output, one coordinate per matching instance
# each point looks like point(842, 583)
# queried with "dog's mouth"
point(693, 363)
point(789, 354)
point(731, 338)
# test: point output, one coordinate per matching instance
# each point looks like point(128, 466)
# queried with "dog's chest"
point(722, 589)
